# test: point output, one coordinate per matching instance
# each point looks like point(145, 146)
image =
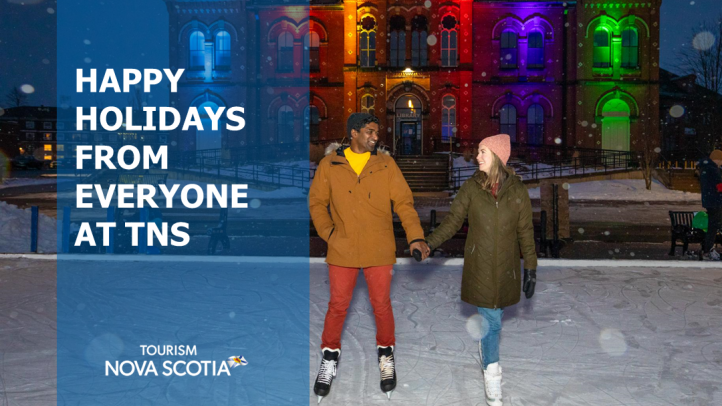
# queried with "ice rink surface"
point(589, 336)
point(595, 335)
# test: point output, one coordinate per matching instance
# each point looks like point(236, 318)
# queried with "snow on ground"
point(591, 335)
point(15, 182)
point(15, 230)
point(626, 189)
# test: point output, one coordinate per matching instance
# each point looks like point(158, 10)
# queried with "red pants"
point(342, 282)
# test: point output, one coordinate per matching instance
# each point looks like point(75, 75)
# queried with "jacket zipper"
point(495, 282)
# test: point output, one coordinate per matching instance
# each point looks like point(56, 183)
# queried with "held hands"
point(529, 282)
point(422, 247)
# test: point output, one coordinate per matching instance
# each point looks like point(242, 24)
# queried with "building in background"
point(690, 117)
point(439, 75)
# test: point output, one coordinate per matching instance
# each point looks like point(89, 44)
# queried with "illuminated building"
point(436, 73)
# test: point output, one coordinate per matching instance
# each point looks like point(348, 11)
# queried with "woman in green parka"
point(500, 228)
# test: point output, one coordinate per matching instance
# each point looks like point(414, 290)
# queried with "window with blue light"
point(197, 50)
point(448, 118)
point(223, 50)
point(507, 119)
point(508, 54)
point(397, 42)
point(535, 124)
point(535, 50)
point(419, 46)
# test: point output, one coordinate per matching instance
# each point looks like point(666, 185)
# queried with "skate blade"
point(388, 394)
point(320, 398)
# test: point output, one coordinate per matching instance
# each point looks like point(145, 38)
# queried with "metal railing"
point(538, 162)
point(212, 162)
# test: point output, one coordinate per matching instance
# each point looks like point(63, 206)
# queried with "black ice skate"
point(326, 373)
point(388, 370)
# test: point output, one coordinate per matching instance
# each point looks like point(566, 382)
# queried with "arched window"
point(602, 48)
point(397, 42)
point(449, 41)
point(311, 61)
point(507, 116)
point(285, 124)
point(311, 122)
point(367, 42)
point(535, 124)
point(419, 47)
point(223, 50)
point(508, 49)
point(368, 104)
point(630, 48)
point(285, 52)
point(535, 50)
point(448, 117)
point(197, 50)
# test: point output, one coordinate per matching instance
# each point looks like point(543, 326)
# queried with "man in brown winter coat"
point(361, 186)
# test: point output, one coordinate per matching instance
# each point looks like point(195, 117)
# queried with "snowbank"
point(15, 230)
point(624, 190)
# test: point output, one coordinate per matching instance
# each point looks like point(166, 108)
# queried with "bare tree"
point(703, 55)
point(15, 97)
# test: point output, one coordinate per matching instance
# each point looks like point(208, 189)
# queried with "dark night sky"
point(28, 41)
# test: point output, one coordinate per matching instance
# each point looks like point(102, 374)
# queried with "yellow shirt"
point(357, 161)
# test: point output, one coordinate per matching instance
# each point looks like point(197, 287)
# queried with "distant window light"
point(448, 117)
point(507, 119)
point(285, 124)
point(535, 50)
point(535, 124)
point(508, 52)
point(419, 45)
point(311, 121)
point(368, 104)
point(367, 42)
point(30, 125)
point(223, 49)
point(47, 125)
point(602, 50)
point(285, 52)
point(630, 48)
point(311, 57)
point(197, 50)
point(47, 147)
point(449, 42)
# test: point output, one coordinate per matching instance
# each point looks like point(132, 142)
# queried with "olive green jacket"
point(499, 229)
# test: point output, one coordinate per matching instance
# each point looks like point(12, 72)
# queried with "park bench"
point(683, 231)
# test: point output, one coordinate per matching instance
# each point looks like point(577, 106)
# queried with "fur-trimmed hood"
point(336, 146)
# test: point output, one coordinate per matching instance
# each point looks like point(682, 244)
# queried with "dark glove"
point(529, 282)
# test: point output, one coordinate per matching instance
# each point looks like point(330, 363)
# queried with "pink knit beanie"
point(499, 144)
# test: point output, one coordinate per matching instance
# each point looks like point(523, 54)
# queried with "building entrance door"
point(615, 125)
point(408, 131)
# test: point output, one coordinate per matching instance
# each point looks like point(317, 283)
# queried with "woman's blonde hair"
point(497, 174)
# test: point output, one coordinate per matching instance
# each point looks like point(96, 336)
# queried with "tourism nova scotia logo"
point(172, 367)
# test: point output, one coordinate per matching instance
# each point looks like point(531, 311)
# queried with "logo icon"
point(236, 360)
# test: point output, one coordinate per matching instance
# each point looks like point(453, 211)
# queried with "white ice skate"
point(492, 384)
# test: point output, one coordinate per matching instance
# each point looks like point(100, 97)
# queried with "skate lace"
point(327, 371)
point(386, 364)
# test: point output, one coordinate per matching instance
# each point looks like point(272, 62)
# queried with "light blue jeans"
point(490, 329)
